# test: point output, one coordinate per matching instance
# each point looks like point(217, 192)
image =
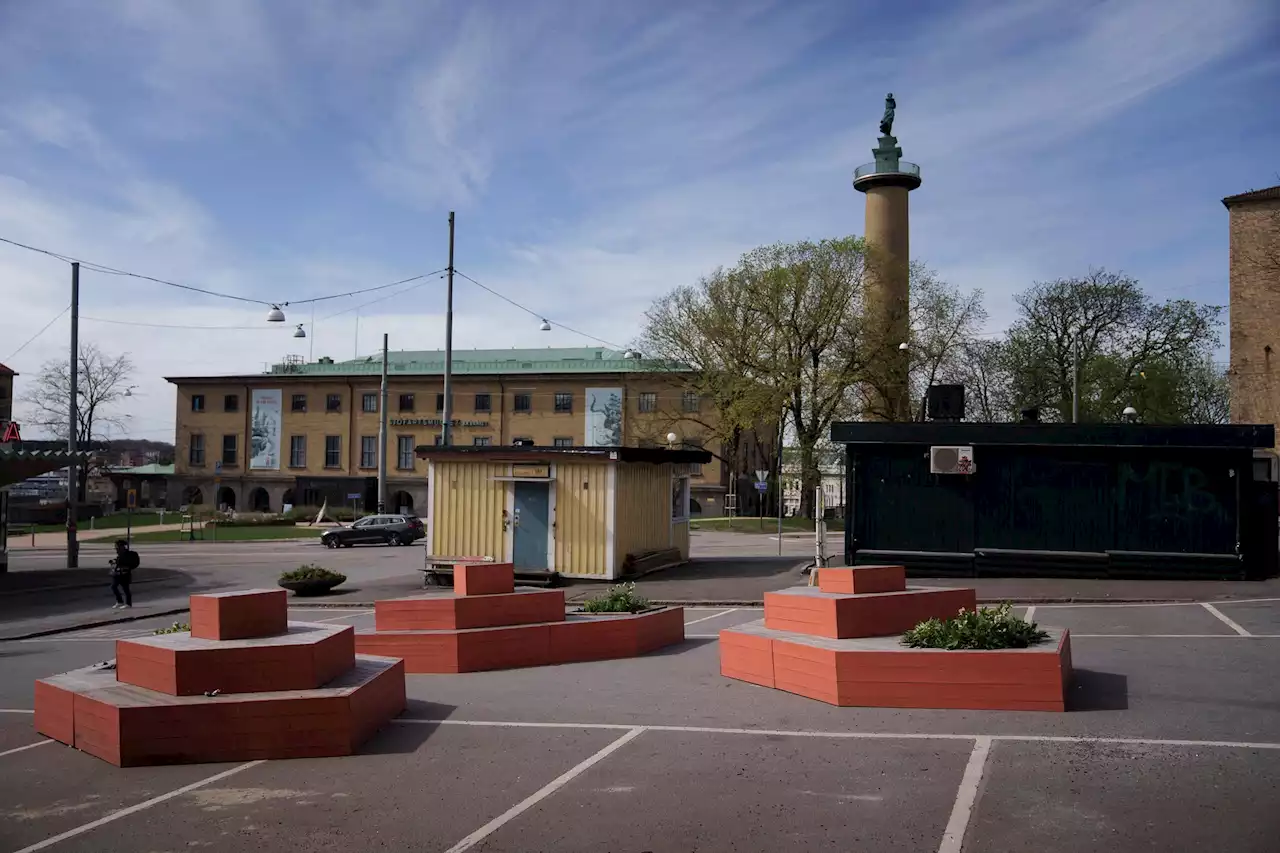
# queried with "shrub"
point(984, 628)
point(333, 513)
point(617, 599)
point(175, 628)
point(311, 572)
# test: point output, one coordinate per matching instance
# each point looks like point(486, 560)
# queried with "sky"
point(597, 156)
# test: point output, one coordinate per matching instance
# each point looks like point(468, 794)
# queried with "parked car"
point(376, 530)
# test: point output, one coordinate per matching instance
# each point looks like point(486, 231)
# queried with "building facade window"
point(333, 451)
point(562, 442)
point(484, 403)
point(195, 453)
point(404, 452)
point(522, 403)
point(439, 440)
point(648, 401)
point(439, 402)
point(406, 402)
point(333, 403)
point(229, 446)
point(564, 402)
point(298, 403)
point(197, 402)
point(522, 441)
point(694, 444)
point(231, 403)
point(369, 403)
point(482, 441)
point(297, 451)
point(691, 401)
point(368, 451)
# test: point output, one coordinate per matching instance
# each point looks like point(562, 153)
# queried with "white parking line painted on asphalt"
point(343, 616)
point(16, 711)
point(844, 735)
point(712, 616)
point(134, 809)
point(1030, 614)
point(966, 797)
point(1234, 626)
point(24, 748)
point(542, 793)
point(1110, 604)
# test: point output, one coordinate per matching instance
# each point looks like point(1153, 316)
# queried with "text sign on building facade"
point(540, 472)
point(12, 432)
point(265, 428)
point(434, 422)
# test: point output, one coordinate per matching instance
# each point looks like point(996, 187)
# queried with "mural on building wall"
point(604, 417)
point(265, 428)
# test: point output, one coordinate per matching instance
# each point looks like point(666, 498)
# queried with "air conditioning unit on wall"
point(951, 459)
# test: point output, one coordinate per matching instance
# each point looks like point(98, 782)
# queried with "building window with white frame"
point(404, 453)
point(368, 451)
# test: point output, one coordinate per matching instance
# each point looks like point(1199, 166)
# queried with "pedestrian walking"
point(122, 574)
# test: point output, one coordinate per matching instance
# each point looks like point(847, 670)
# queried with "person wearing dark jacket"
point(122, 574)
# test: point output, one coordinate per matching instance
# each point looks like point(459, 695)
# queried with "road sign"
point(762, 487)
point(131, 499)
point(354, 496)
point(217, 467)
point(761, 475)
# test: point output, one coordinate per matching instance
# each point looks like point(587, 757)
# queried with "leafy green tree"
point(1129, 347)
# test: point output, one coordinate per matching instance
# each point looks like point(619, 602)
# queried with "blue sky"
point(597, 154)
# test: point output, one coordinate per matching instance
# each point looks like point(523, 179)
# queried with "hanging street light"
point(545, 327)
point(275, 315)
point(298, 332)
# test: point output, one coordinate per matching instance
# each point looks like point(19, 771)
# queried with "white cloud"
point(601, 154)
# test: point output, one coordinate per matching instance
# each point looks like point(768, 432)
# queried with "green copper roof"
point(486, 362)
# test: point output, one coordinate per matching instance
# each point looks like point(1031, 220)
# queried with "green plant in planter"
point(175, 628)
point(984, 628)
point(617, 599)
point(312, 572)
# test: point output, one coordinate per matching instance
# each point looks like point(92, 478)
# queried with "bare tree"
point(944, 323)
point(102, 382)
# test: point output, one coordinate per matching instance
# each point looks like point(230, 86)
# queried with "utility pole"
point(782, 431)
point(1075, 382)
point(382, 433)
point(446, 438)
point(73, 479)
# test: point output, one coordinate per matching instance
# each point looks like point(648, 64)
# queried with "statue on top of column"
point(886, 122)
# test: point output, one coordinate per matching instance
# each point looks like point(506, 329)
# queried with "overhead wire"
point(536, 314)
point(43, 329)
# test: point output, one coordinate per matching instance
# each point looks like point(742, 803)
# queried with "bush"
point(175, 628)
point(984, 628)
point(308, 513)
point(254, 519)
point(310, 572)
point(618, 599)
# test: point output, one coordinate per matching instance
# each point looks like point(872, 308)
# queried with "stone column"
point(886, 184)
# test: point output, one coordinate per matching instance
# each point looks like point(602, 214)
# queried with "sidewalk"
point(742, 582)
point(57, 539)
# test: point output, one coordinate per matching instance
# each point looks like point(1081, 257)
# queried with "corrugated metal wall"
point(468, 509)
point(580, 519)
point(644, 511)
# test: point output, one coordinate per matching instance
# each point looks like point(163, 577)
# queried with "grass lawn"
point(233, 534)
point(107, 522)
point(745, 524)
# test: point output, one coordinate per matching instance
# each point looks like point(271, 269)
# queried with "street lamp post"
point(446, 436)
point(73, 492)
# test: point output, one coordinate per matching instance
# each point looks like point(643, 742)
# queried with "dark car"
point(376, 530)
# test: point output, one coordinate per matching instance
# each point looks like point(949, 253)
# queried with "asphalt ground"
point(1172, 743)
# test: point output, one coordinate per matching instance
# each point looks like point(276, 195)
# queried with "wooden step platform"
point(881, 672)
point(305, 657)
point(570, 639)
point(810, 610)
point(129, 726)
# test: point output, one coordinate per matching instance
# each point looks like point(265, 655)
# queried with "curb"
point(99, 623)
